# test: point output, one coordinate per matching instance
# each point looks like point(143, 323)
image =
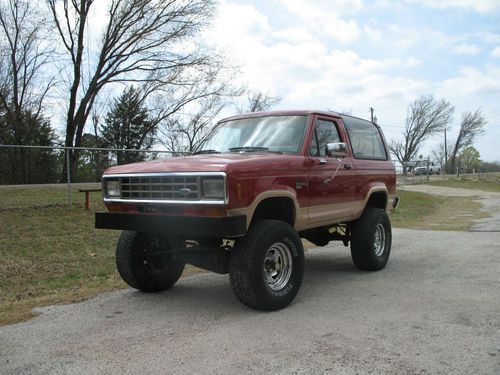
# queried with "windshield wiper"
point(252, 149)
point(248, 149)
point(205, 152)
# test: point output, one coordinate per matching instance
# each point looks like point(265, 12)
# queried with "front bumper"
point(180, 226)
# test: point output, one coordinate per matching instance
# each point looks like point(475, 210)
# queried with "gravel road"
point(434, 310)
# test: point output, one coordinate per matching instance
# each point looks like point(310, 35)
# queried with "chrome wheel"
point(278, 266)
point(379, 240)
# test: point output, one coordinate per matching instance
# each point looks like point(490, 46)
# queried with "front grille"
point(161, 187)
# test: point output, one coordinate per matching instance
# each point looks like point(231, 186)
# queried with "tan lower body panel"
point(315, 216)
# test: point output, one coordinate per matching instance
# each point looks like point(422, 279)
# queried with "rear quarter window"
point(366, 141)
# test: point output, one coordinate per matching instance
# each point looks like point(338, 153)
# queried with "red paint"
point(250, 174)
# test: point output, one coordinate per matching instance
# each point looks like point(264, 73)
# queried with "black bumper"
point(189, 227)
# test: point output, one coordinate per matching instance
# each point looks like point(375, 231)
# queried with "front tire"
point(140, 266)
point(267, 265)
point(371, 239)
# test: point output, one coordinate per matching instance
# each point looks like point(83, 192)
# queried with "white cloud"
point(322, 17)
point(372, 32)
point(299, 60)
point(293, 35)
point(473, 81)
point(496, 52)
point(412, 62)
point(481, 6)
point(323, 8)
point(409, 37)
point(471, 89)
point(488, 37)
point(237, 22)
point(466, 49)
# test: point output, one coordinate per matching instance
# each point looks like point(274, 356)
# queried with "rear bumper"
point(189, 227)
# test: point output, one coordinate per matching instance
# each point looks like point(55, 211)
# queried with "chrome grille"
point(161, 187)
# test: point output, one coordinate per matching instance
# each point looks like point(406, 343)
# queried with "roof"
point(290, 112)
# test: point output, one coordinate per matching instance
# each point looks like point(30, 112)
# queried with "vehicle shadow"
point(210, 293)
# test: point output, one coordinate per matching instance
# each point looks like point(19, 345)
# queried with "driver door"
point(331, 180)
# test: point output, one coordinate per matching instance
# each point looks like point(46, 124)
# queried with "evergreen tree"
point(127, 126)
point(27, 166)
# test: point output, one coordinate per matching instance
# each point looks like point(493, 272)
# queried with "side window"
point(366, 141)
point(324, 132)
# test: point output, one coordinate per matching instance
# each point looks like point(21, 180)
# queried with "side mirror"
point(336, 150)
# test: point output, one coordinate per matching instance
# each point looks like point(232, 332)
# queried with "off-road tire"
point(134, 269)
point(367, 250)
point(265, 246)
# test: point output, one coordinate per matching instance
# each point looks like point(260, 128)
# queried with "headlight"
point(112, 188)
point(213, 188)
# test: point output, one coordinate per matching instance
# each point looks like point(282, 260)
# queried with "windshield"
point(257, 134)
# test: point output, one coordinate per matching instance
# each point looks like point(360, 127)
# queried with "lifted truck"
point(242, 202)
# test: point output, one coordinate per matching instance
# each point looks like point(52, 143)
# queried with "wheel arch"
point(276, 208)
point(277, 205)
point(376, 197)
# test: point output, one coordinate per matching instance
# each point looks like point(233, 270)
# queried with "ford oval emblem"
point(185, 191)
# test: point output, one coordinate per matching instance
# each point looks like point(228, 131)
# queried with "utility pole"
point(445, 152)
point(371, 112)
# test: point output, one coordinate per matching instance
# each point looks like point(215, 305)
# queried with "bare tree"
point(182, 132)
point(440, 155)
point(140, 43)
point(425, 117)
point(23, 89)
point(258, 101)
point(472, 125)
point(22, 59)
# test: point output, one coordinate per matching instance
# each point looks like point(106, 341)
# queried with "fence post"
point(68, 177)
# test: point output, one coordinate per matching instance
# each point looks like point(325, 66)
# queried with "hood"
point(204, 163)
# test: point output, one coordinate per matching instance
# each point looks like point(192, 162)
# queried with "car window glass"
point(366, 141)
point(274, 133)
point(324, 132)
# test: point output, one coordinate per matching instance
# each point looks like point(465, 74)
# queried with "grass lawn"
point(425, 211)
point(29, 196)
point(53, 254)
point(491, 185)
point(49, 255)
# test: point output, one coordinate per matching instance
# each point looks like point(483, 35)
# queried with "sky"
point(350, 55)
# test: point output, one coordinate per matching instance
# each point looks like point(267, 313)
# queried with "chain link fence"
point(39, 176)
point(425, 171)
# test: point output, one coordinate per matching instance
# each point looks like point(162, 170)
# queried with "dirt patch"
point(489, 201)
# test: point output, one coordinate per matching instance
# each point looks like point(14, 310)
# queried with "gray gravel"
point(434, 310)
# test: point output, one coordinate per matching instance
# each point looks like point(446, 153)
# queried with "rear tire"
point(371, 240)
point(267, 265)
point(140, 268)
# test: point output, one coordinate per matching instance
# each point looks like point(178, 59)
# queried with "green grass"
point(425, 211)
point(51, 253)
point(484, 185)
point(45, 195)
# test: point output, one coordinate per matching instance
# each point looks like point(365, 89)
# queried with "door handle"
point(323, 161)
point(348, 166)
point(330, 179)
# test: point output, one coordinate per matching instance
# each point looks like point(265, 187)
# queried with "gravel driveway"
point(434, 310)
